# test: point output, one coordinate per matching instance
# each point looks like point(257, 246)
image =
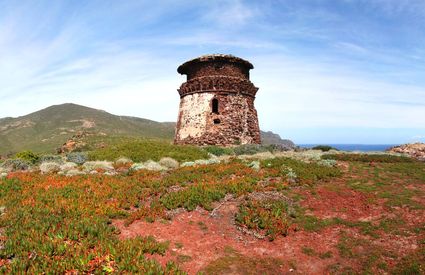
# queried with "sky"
point(329, 71)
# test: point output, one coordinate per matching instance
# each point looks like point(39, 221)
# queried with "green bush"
point(324, 148)
point(368, 158)
point(219, 151)
point(251, 149)
point(327, 162)
point(301, 172)
point(272, 217)
point(140, 150)
point(17, 164)
point(28, 156)
point(50, 158)
point(77, 157)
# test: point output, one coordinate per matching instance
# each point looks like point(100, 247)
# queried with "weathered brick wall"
point(226, 79)
point(218, 68)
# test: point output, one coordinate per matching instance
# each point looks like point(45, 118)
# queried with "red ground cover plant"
point(193, 219)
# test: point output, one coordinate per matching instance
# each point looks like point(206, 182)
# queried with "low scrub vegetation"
point(52, 223)
point(368, 158)
point(246, 149)
point(62, 224)
point(271, 217)
point(301, 172)
point(58, 224)
point(28, 156)
point(324, 148)
point(140, 150)
point(219, 151)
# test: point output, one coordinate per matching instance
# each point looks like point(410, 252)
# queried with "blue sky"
point(329, 71)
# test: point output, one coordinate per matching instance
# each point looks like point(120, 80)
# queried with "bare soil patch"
point(370, 235)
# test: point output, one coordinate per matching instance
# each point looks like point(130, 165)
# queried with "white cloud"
point(333, 83)
point(301, 93)
point(230, 13)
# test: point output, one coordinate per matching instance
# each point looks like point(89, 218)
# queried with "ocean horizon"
point(354, 147)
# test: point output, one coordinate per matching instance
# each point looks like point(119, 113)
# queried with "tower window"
point(215, 106)
point(217, 121)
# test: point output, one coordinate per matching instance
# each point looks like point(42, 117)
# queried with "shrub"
point(98, 165)
point(258, 156)
point(122, 161)
point(51, 158)
point(17, 164)
point(295, 170)
point(369, 158)
point(327, 162)
point(251, 149)
point(123, 164)
point(289, 173)
point(279, 147)
point(137, 166)
point(148, 165)
point(68, 166)
point(270, 217)
point(73, 172)
point(207, 161)
point(28, 156)
point(169, 163)
point(77, 157)
point(187, 164)
point(140, 150)
point(154, 166)
point(324, 148)
point(49, 167)
point(219, 151)
point(254, 165)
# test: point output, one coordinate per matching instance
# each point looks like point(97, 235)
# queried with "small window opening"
point(215, 106)
point(217, 121)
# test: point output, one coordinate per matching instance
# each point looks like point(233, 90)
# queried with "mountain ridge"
point(48, 128)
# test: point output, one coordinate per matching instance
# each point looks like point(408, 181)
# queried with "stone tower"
point(217, 102)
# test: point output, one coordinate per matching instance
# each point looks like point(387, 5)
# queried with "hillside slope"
point(47, 129)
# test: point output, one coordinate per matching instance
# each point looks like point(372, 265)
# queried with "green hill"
point(45, 130)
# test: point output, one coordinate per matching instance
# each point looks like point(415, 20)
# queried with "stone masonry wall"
point(219, 68)
point(235, 122)
point(194, 110)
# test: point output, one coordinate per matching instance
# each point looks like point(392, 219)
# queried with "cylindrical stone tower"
point(217, 102)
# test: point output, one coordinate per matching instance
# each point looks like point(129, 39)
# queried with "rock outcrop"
point(415, 150)
point(75, 143)
point(270, 138)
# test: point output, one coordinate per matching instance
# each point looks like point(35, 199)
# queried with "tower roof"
point(182, 69)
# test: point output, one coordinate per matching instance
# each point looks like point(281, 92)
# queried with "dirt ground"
point(372, 235)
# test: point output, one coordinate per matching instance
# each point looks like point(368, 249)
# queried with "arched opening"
point(217, 121)
point(215, 106)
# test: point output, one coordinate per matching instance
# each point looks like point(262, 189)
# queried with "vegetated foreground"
point(362, 215)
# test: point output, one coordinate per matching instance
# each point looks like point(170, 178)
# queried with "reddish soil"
point(205, 244)
point(197, 239)
point(344, 203)
point(205, 238)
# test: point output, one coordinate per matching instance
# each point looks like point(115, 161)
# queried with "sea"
point(355, 147)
